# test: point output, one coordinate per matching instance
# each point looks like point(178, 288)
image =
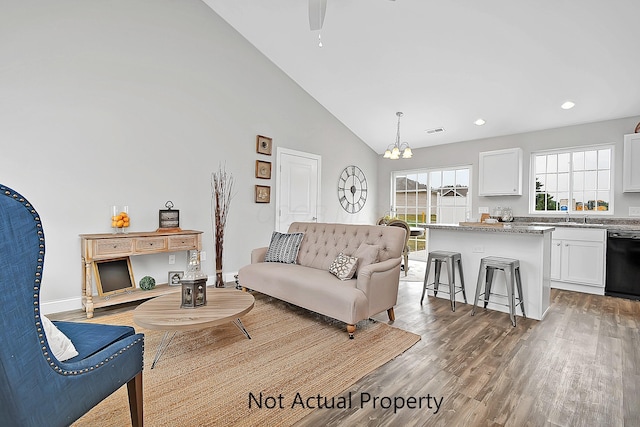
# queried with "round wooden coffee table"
point(164, 313)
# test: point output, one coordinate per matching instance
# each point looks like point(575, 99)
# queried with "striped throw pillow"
point(284, 247)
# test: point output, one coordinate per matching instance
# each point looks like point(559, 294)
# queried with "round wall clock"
point(352, 189)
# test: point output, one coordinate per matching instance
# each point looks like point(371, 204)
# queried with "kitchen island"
point(529, 244)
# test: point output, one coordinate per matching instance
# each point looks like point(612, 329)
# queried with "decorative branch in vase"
point(221, 194)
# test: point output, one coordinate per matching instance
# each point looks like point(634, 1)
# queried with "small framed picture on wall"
point(263, 169)
point(264, 144)
point(263, 194)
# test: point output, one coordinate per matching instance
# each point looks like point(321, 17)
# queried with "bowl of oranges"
point(120, 220)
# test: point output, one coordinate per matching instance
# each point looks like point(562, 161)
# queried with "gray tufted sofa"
point(310, 285)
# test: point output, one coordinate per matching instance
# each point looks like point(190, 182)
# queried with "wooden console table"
point(106, 246)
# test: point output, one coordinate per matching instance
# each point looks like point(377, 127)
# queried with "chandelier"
point(394, 150)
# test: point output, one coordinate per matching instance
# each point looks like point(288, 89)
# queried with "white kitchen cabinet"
point(500, 173)
point(631, 163)
point(583, 262)
point(578, 259)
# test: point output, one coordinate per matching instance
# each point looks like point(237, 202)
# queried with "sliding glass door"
point(430, 196)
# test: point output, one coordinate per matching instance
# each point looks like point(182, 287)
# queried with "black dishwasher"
point(623, 264)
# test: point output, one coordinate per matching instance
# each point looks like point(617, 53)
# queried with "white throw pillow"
point(61, 346)
point(344, 266)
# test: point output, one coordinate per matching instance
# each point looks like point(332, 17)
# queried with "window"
point(573, 181)
point(431, 196)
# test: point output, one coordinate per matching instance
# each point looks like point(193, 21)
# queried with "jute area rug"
point(206, 378)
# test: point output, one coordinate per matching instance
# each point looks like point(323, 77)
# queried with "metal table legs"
point(162, 347)
point(165, 342)
point(240, 326)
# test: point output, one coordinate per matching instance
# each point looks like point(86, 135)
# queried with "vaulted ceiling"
point(445, 64)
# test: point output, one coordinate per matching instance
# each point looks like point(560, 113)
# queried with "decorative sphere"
point(147, 283)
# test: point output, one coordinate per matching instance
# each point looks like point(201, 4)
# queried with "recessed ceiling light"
point(479, 122)
point(568, 105)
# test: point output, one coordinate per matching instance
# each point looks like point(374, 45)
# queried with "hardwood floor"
point(580, 366)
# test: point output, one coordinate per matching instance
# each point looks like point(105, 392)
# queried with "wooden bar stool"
point(511, 269)
point(451, 259)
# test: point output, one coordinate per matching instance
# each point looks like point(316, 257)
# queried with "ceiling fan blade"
point(317, 10)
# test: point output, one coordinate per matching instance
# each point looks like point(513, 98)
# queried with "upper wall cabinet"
point(631, 163)
point(501, 173)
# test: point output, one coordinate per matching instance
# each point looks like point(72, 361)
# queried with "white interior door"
point(297, 188)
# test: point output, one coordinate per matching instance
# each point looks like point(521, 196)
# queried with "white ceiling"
point(447, 63)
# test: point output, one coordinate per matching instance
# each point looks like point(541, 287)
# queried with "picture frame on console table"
point(114, 276)
point(264, 145)
point(263, 194)
point(174, 278)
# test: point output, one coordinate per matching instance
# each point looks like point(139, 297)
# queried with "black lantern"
point(194, 283)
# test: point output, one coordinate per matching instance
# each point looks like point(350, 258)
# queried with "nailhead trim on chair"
point(36, 294)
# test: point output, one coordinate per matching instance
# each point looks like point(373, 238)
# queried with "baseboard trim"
point(230, 277)
point(60, 306)
point(585, 289)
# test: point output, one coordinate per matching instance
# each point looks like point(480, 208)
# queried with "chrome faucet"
point(567, 218)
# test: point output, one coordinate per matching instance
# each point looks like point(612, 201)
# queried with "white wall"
point(136, 102)
point(466, 153)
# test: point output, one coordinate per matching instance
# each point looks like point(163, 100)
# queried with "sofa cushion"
point(344, 266)
point(310, 288)
point(366, 254)
point(284, 247)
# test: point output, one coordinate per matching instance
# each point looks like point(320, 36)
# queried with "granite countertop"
point(513, 228)
point(607, 223)
point(541, 225)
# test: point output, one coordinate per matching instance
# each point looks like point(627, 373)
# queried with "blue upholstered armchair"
point(36, 389)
